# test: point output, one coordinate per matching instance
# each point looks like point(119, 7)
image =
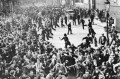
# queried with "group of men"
point(24, 56)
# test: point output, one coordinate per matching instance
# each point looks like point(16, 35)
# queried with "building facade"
point(40, 2)
point(114, 10)
point(100, 4)
point(90, 4)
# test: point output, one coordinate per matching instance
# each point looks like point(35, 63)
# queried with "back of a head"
point(65, 34)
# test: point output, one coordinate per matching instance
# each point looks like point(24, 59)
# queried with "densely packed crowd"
point(26, 54)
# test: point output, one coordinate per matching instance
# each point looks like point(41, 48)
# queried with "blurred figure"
point(83, 23)
point(67, 42)
point(102, 40)
point(62, 25)
point(89, 27)
point(65, 20)
point(69, 28)
point(78, 18)
point(74, 19)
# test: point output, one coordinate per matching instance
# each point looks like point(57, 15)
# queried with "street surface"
point(76, 37)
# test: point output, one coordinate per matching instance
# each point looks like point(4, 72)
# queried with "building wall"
point(114, 10)
point(82, 3)
point(100, 4)
point(47, 2)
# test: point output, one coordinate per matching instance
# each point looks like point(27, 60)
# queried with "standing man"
point(74, 19)
point(67, 42)
point(55, 22)
point(89, 27)
point(62, 25)
point(92, 18)
point(69, 28)
point(78, 18)
point(65, 20)
point(83, 23)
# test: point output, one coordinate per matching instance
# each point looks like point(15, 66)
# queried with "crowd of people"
point(26, 54)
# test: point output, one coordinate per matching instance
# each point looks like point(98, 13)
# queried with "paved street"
point(76, 37)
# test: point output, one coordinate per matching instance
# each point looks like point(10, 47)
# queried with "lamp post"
point(107, 5)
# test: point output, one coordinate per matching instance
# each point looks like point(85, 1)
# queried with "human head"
point(103, 34)
point(88, 35)
point(65, 34)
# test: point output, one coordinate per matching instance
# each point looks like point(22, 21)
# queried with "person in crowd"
point(92, 18)
point(43, 34)
point(48, 32)
point(90, 27)
point(69, 28)
point(66, 20)
point(56, 22)
point(74, 19)
point(62, 25)
point(78, 18)
point(26, 55)
point(67, 42)
point(83, 23)
point(117, 41)
point(88, 39)
point(92, 33)
point(94, 41)
point(113, 36)
point(102, 40)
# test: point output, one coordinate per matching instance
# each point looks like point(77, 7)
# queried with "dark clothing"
point(92, 18)
point(90, 28)
point(88, 39)
point(62, 23)
point(78, 18)
point(74, 19)
point(109, 68)
point(114, 36)
point(84, 46)
point(69, 28)
point(43, 34)
point(92, 32)
point(94, 40)
point(83, 22)
point(66, 20)
point(67, 42)
point(73, 49)
point(104, 58)
point(102, 40)
point(90, 24)
point(55, 22)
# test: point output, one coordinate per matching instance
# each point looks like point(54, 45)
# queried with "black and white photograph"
point(59, 39)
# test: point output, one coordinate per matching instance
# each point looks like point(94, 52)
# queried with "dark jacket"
point(102, 41)
point(69, 26)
